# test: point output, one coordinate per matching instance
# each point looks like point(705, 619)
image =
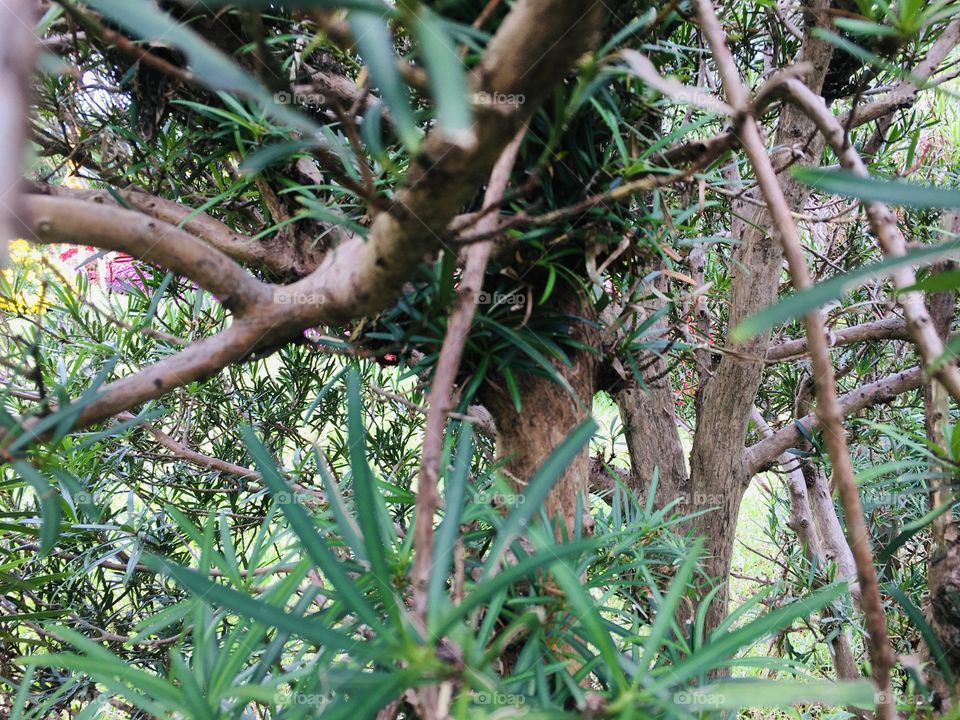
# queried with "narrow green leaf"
point(456, 493)
point(448, 77)
point(218, 595)
point(667, 608)
point(933, 642)
point(368, 500)
point(737, 694)
point(372, 33)
point(49, 504)
point(891, 192)
point(305, 529)
point(912, 528)
point(820, 294)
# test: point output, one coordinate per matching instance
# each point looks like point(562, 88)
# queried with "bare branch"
point(63, 220)
point(241, 248)
point(884, 225)
point(889, 329)
point(905, 91)
point(828, 407)
point(445, 375)
point(762, 455)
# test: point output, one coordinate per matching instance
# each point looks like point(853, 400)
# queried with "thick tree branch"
point(533, 49)
point(888, 329)
point(241, 248)
point(64, 220)
point(884, 225)
point(762, 455)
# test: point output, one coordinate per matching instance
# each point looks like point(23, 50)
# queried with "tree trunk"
point(943, 579)
point(718, 477)
point(650, 423)
point(548, 414)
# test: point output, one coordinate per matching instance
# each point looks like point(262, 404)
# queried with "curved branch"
point(760, 456)
point(200, 361)
point(905, 91)
point(884, 225)
point(532, 51)
point(63, 220)
point(237, 246)
point(889, 329)
point(828, 406)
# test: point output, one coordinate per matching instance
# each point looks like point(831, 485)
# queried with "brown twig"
point(884, 225)
point(441, 391)
point(828, 407)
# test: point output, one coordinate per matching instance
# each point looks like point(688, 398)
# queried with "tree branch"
point(64, 220)
point(905, 91)
point(241, 248)
point(533, 49)
point(884, 225)
point(760, 456)
point(888, 329)
point(444, 378)
point(828, 407)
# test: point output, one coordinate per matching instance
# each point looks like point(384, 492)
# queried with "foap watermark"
point(499, 699)
point(291, 698)
point(287, 497)
point(284, 296)
point(498, 99)
point(497, 298)
point(302, 99)
point(703, 500)
point(500, 499)
point(699, 698)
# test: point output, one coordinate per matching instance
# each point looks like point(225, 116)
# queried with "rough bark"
point(943, 578)
point(650, 426)
point(718, 476)
point(548, 414)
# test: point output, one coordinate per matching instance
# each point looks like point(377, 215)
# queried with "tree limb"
point(533, 49)
point(905, 91)
point(241, 248)
point(887, 329)
point(761, 455)
point(64, 220)
point(444, 378)
point(828, 407)
point(884, 225)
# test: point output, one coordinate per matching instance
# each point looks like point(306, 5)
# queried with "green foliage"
point(134, 583)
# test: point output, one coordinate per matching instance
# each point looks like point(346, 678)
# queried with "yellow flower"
point(21, 285)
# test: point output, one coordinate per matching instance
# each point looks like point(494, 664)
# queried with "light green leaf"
point(448, 77)
point(738, 694)
point(820, 294)
point(891, 192)
point(49, 504)
point(372, 34)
